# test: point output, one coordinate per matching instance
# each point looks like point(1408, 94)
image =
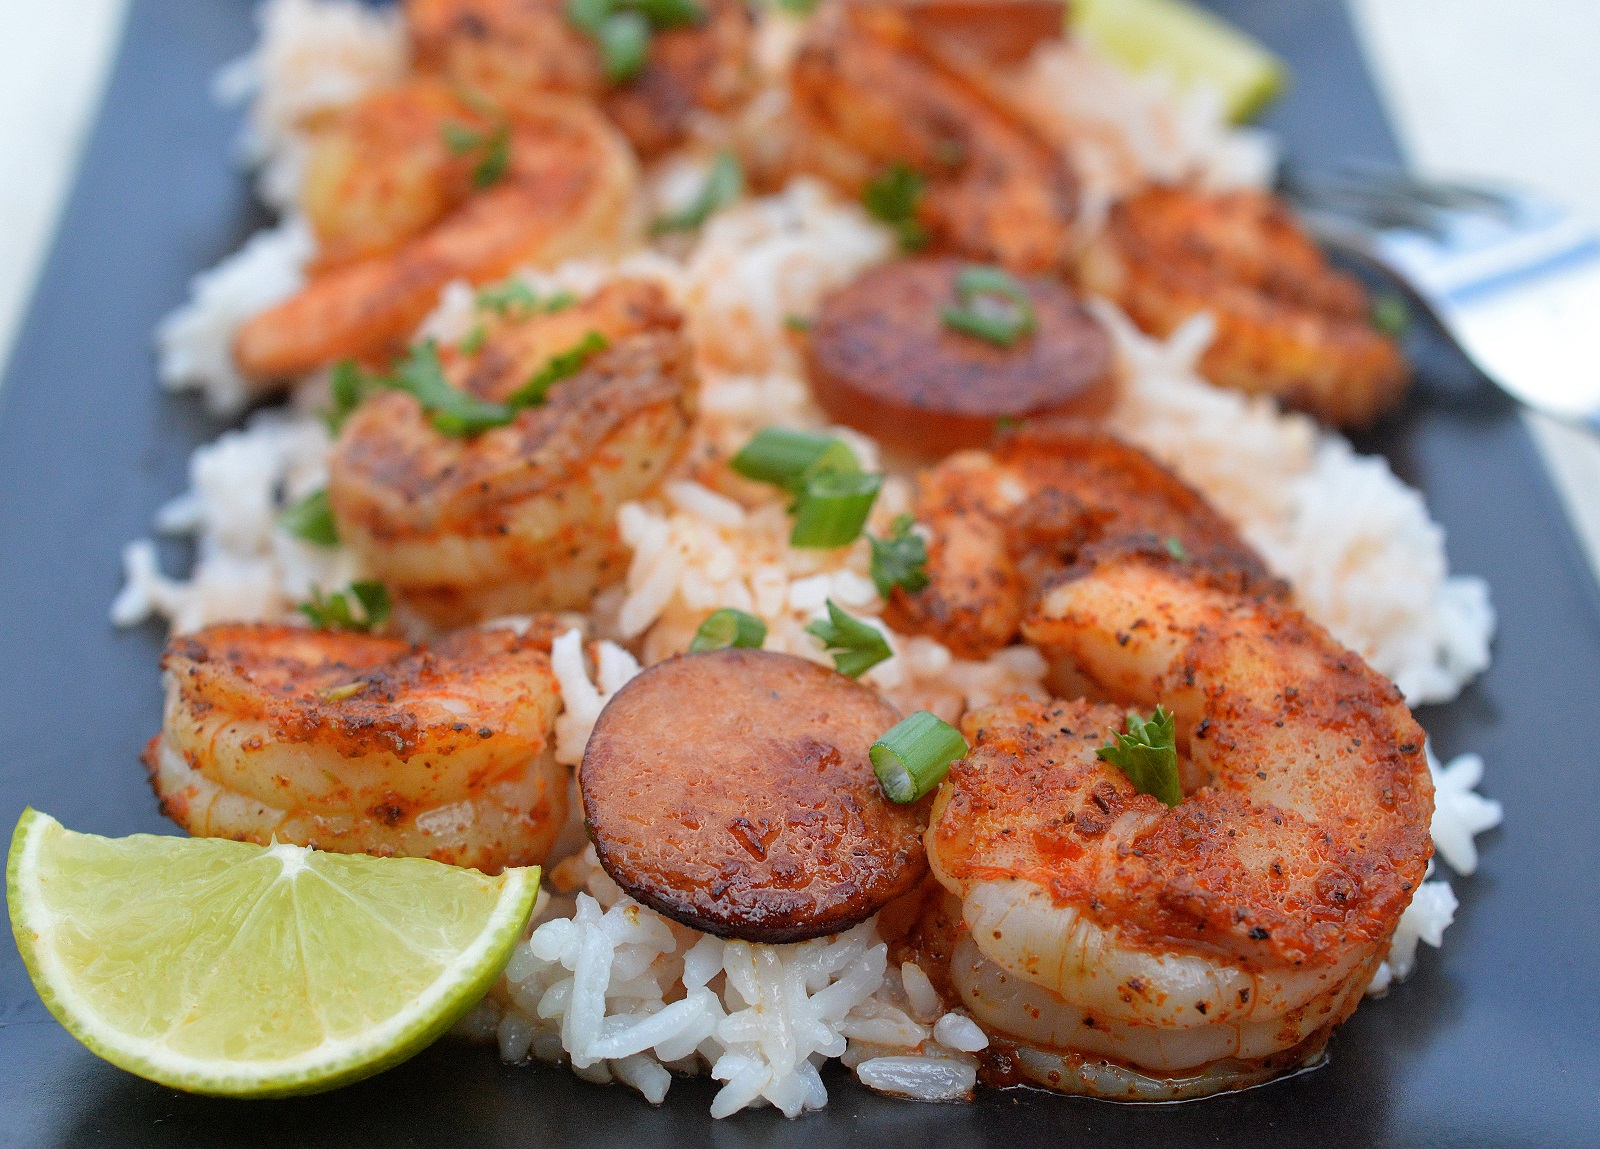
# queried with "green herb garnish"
point(855, 646)
point(797, 323)
point(900, 558)
point(833, 507)
point(1176, 549)
point(349, 389)
point(339, 610)
point(915, 755)
point(1148, 755)
point(312, 519)
point(494, 144)
point(472, 342)
point(621, 29)
point(1390, 314)
point(724, 184)
point(451, 411)
point(783, 457)
point(728, 627)
point(990, 305)
point(563, 366)
point(509, 296)
point(892, 199)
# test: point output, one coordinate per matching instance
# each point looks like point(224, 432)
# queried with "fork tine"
point(1451, 195)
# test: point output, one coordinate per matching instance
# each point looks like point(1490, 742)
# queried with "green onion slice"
point(833, 508)
point(892, 199)
point(563, 366)
point(915, 755)
point(350, 388)
point(991, 305)
point(507, 296)
point(311, 519)
point(784, 458)
point(855, 646)
point(1147, 753)
point(669, 13)
point(900, 558)
point(624, 42)
point(728, 627)
point(338, 611)
point(1176, 549)
point(724, 184)
point(495, 144)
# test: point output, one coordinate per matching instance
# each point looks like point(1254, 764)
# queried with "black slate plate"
point(1492, 1042)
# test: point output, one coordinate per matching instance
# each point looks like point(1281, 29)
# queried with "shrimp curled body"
point(359, 744)
point(1215, 943)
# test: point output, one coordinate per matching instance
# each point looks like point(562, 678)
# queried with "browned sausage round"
point(731, 791)
point(883, 361)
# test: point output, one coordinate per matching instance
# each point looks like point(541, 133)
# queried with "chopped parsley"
point(892, 199)
point(855, 646)
point(493, 146)
point(563, 366)
point(1148, 754)
point(311, 519)
point(900, 558)
point(365, 606)
point(724, 184)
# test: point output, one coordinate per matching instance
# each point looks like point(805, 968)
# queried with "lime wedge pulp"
point(253, 971)
point(1180, 38)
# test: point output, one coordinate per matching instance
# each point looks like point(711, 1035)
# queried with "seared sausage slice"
point(731, 791)
point(883, 361)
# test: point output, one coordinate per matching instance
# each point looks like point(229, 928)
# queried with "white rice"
point(621, 993)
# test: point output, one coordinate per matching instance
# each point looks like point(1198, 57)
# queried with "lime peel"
point(44, 932)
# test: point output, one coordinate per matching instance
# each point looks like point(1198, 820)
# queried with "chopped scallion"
point(783, 457)
point(509, 295)
point(568, 363)
point(855, 646)
point(728, 627)
point(338, 611)
point(312, 519)
point(724, 184)
point(991, 305)
point(900, 558)
point(624, 42)
point(472, 342)
point(494, 144)
point(892, 199)
point(1148, 754)
point(349, 389)
point(915, 755)
point(451, 411)
point(833, 507)
point(1176, 549)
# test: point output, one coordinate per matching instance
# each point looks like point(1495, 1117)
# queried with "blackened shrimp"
point(558, 184)
point(1002, 524)
point(512, 50)
point(1139, 951)
point(360, 744)
point(1287, 324)
point(522, 517)
point(873, 90)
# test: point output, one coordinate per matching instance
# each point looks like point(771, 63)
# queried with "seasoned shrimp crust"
point(1217, 941)
point(522, 517)
point(1288, 324)
point(1003, 523)
point(362, 744)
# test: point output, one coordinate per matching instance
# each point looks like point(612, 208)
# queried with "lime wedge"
point(250, 971)
point(1190, 43)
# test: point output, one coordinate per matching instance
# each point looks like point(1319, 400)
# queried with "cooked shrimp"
point(522, 517)
point(515, 49)
point(1003, 524)
point(870, 91)
point(1217, 941)
point(382, 171)
point(360, 744)
point(568, 190)
point(1287, 323)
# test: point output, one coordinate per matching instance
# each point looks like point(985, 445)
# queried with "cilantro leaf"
point(1147, 753)
point(900, 558)
point(855, 646)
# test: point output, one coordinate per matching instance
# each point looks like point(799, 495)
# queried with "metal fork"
point(1513, 277)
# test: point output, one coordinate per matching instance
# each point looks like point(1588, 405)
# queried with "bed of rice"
point(603, 984)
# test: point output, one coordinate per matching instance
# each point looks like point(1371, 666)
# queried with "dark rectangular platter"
point(1492, 1042)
